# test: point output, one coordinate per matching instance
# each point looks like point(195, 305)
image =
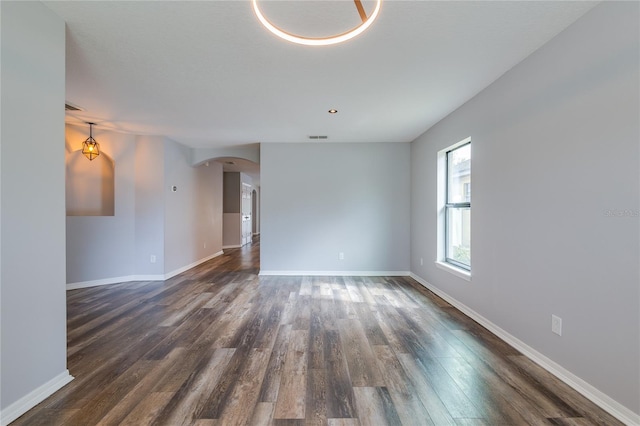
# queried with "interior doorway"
point(255, 225)
point(246, 214)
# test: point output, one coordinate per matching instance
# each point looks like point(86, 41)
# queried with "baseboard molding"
point(130, 278)
point(338, 273)
point(105, 281)
point(231, 246)
point(192, 265)
point(158, 277)
point(33, 398)
point(590, 392)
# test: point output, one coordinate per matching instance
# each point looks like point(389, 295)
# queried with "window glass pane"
point(459, 235)
point(459, 175)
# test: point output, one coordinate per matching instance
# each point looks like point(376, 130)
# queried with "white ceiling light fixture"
point(322, 41)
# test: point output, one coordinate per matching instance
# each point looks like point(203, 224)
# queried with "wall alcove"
point(90, 185)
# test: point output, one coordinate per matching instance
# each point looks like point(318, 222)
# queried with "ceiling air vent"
point(70, 107)
point(318, 137)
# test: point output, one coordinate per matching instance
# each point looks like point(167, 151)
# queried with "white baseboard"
point(105, 281)
point(130, 278)
point(192, 265)
point(232, 246)
point(33, 398)
point(596, 396)
point(158, 277)
point(338, 273)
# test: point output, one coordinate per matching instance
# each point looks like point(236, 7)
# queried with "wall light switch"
point(152, 259)
point(556, 325)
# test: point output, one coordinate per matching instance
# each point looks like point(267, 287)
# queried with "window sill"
point(458, 272)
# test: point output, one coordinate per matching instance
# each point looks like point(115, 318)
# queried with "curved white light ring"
point(322, 41)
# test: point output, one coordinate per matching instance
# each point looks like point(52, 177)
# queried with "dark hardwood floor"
point(219, 345)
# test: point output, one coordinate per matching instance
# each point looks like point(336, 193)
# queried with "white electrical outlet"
point(341, 256)
point(152, 259)
point(556, 325)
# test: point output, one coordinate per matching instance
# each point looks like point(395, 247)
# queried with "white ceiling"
point(207, 74)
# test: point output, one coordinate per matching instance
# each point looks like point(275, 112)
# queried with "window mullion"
point(459, 205)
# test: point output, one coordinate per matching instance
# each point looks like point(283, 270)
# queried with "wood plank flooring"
point(219, 345)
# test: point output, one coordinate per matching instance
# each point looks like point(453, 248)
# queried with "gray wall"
point(231, 194)
point(149, 210)
point(100, 247)
point(232, 207)
point(208, 222)
point(179, 228)
point(193, 214)
point(321, 199)
point(33, 308)
point(555, 148)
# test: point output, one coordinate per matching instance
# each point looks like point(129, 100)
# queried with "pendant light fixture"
point(90, 148)
point(322, 41)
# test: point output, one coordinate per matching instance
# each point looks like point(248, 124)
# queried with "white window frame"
point(441, 261)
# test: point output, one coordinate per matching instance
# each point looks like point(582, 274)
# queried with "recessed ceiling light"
point(333, 111)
